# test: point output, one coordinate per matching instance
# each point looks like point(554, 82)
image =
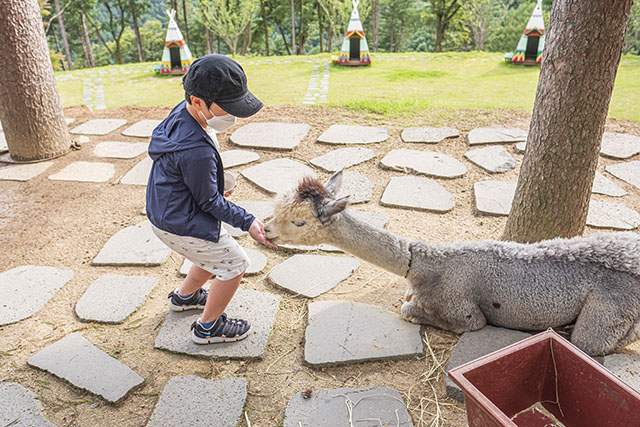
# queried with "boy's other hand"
point(228, 193)
point(256, 231)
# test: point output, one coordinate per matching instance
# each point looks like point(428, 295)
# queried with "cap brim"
point(245, 106)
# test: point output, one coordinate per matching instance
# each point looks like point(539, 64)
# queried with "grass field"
point(394, 83)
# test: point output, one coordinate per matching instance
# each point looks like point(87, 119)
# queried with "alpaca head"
point(303, 215)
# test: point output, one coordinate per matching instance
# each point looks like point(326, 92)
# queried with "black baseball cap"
point(220, 79)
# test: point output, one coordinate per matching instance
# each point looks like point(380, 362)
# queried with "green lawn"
point(408, 83)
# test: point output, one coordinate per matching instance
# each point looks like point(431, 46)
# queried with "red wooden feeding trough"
point(544, 380)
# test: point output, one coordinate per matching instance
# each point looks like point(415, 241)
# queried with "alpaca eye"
point(298, 223)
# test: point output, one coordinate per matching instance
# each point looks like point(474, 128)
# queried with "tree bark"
point(63, 34)
point(301, 40)
point(374, 22)
point(247, 38)
point(137, 30)
point(55, 41)
point(330, 37)
point(33, 121)
point(581, 57)
point(86, 43)
point(209, 41)
point(320, 26)
point(293, 26)
point(186, 21)
point(284, 39)
point(266, 27)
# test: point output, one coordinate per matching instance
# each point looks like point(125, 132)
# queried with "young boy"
point(186, 199)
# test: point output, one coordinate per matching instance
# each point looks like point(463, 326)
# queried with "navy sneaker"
point(196, 300)
point(223, 330)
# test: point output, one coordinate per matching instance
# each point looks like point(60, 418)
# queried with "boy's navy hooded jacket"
point(186, 184)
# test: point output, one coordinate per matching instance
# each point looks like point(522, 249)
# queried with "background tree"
point(443, 12)
point(63, 33)
point(33, 121)
point(228, 18)
point(137, 8)
point(632, 36)
point(582, 53)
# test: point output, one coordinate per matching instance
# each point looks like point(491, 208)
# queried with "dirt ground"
point(65, 224)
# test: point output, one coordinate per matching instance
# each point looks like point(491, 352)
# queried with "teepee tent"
point(176, 57)
point(355, 50)
point(529, 50)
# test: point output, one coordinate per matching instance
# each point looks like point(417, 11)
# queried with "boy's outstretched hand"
point(256, 231)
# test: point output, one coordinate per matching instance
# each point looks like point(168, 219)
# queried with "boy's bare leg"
point(220, 293)
point(194, 280)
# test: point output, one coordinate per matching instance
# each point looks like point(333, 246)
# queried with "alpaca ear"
point(332, 207)
point(334, 183)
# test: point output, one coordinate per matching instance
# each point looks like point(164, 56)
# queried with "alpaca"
point(593, 281)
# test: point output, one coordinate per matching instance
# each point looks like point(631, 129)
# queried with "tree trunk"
point(392, 31)
point(33, 121)
point(320, 26)
point(137, 30)
point(55, 40)
point(186, 21)
point(266, 27)
point(209, 41)
point(174, 6)
point(86, 42)
point(480, 41)
point(284, 40)
point(581, 57)
point(330, 37)
point(293, 27)
point(247, 38)
point(218, 40)
point(63, 34)
point(374, 22)
point(439, 35)
point(301, 40)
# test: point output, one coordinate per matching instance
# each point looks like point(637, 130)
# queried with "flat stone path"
point(139, 174)
point(312, 275)
point(85, 172)
point(520, 147)
point(619, 145)
point(603, 185)
point(343, 332)
point(472, 345)
point(259, 308)
point(496, 135)
point(629, 172)
point(26, 289)
point(134, 245)
point(371, 406)
point(3, 143)
point(23, 172)
point(626, 367)
point(318, 84)
point(350, 134)
point(93, 93)
point(196, 402)
point(271, 135)
point(257, 263)
point(357, 186)
point(99, 126)
point(113, 297)
point(494, 197)
point(19, 407)
point(342, 158)
point(417, 193)
point(120, 150)
point(277, 176)
point(493, 159)
point(612, 215)
point(423, 162)
point(428, 135)
point(142, 129)
point(233, 158)
point(85, 366)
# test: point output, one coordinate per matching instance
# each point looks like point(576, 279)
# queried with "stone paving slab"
point(85, 366)
point(493, 159)
point(134, 245)
point(619, 145)
point(423, 162)
point(612, 215)
point(196, 402)
point(355, 185)
point(376, 219)
point(259, 308)
point(19, 407)
point(233, 158)
point(626, 367)
point(85, 172)
point(26, 289)
point(23, 172)
point(494, 197)
point(120, 150)
point(312, 275)
point(257, 263)
point(270, 135)
point(142, 129)
point(139, 174)
point(520, 147)
point(472, 345)
point(349, 134)
point(629, 172)
point(259, 209)
point(342, 158)
point(370, 407)
point(3, 143)
point(113, 297)
point(417, 193)
point(496, 135)
point(428, 135)
point(277, 176)
point(99, 126)
point(343, 332)
point(603, 185)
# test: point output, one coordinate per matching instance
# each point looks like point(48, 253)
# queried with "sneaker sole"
point(217, 340)
point(175, 307)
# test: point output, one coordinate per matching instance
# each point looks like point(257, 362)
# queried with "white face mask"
point(220, 123)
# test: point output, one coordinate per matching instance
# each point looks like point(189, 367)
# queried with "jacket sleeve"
point(199, 170)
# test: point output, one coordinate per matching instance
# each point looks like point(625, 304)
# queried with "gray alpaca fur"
point(593, 281)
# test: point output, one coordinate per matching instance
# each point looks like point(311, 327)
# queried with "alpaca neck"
point(374, 245)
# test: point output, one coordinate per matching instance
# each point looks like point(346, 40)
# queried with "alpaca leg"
point(468, 320)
